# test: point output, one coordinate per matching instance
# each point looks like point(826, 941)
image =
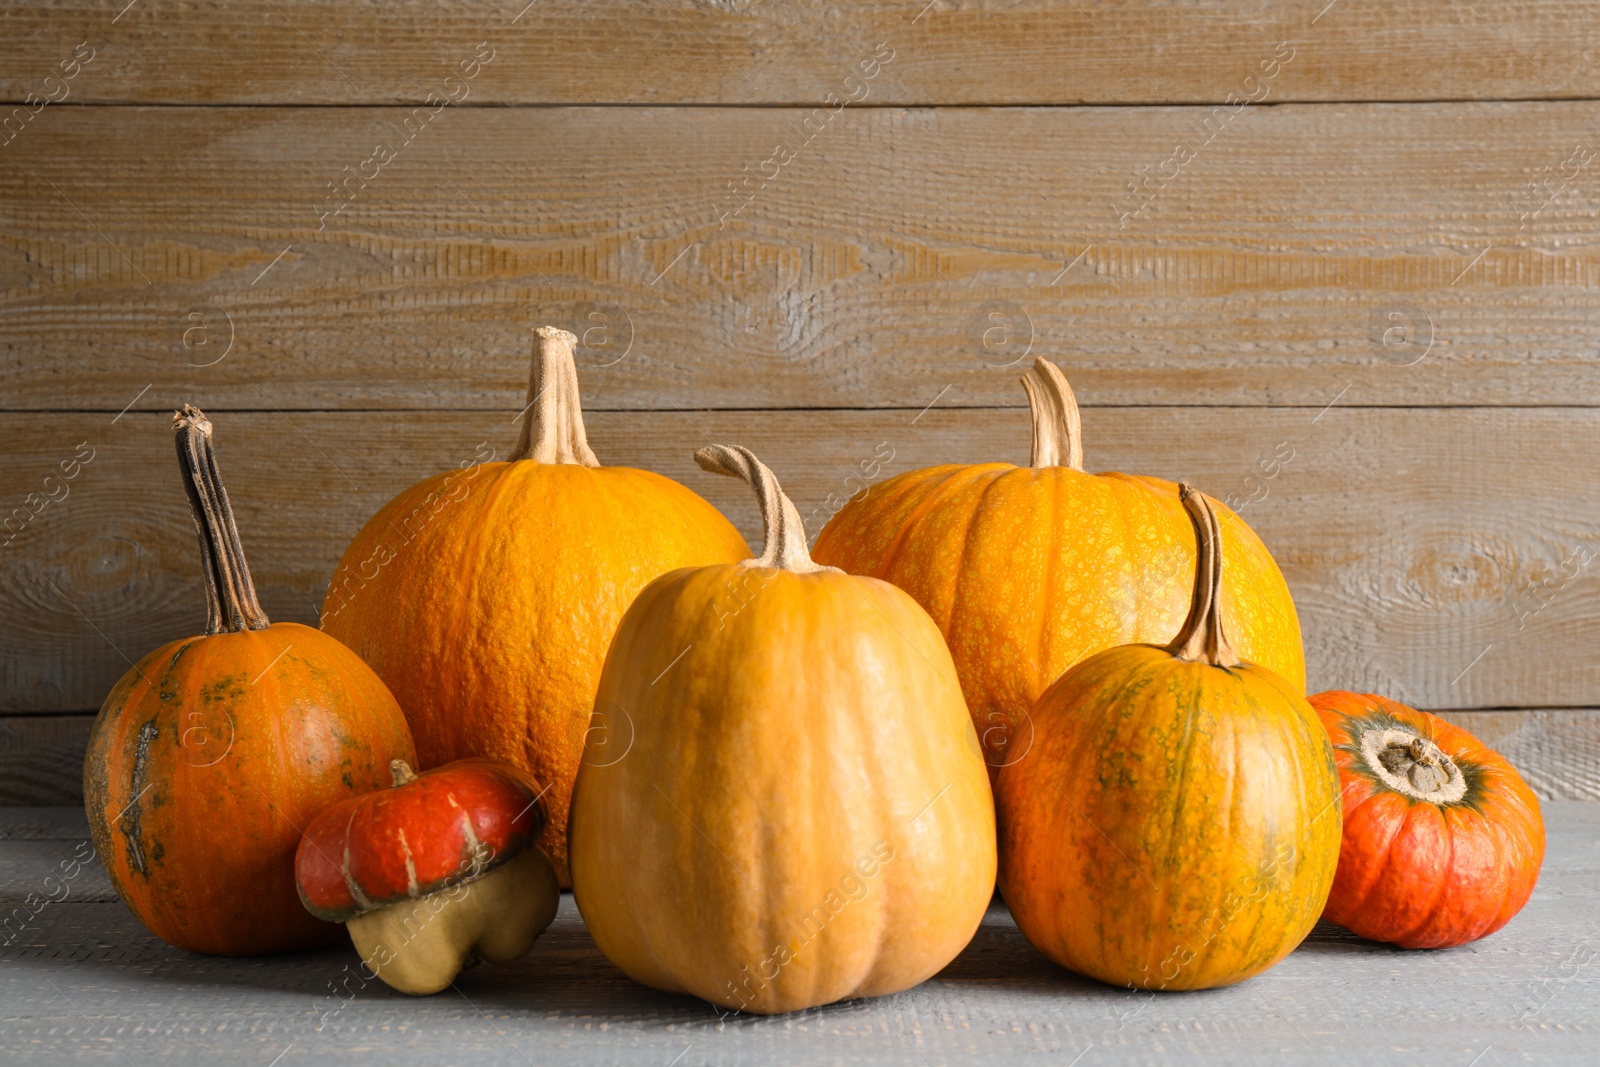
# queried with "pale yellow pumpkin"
point(789, 806)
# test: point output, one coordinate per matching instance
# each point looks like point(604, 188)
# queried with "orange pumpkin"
point(789, 807)
point(212, 753)
point(486, 598)
point(1176, 823)
point(1442, 838)
point(1030, 570)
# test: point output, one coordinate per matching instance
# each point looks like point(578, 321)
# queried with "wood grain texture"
point(83, 983)
point(746, 51)
point(1383, 254)
point(1556, 752)
point(41, 758)
point(1443, 557)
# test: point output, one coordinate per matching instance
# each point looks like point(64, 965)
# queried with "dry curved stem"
point(785, 545)
point(231, 603)
point(1057, 430)
point(1202, 637)
point(552, 424)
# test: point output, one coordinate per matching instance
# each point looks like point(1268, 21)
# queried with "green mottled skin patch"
point(229, 688)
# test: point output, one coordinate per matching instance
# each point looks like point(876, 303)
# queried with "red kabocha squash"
point(1176, 823)
point(1030, 570)
point(212, 752)
point(798, 812)
point(434, 874)
point(486, 598)
point(1442, 838)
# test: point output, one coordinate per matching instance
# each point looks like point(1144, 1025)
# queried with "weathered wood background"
point(1359, 234)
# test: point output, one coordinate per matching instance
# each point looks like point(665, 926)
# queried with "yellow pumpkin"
point(1030, 570)
point(485, 598)
point(1176, 824)
point(790, 807)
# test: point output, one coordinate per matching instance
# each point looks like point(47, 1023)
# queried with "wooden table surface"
point(82, 982)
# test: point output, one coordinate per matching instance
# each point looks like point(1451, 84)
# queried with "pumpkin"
point(435, 874)
point(486, 598)
point(1176, 824)
point(802, 813)
point(1442, 838)
point(1030, 570)
point(212, 752)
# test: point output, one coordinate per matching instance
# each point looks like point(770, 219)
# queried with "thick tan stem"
point(400, 771)
point(231, 603)
point(1057, 430)
point(552, 423)
point(785, 545)
point(1202, 637)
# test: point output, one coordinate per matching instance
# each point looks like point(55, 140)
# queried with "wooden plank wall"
point(1361, 234)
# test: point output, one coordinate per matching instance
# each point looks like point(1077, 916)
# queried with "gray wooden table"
point(82, 982)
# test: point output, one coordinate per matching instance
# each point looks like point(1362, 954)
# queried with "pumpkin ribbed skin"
point(486, 599)
point(1175, 825)
point(206, 760)
point(1423, 873)
point(783, 749)
point(789, 806)
point(1028, 571)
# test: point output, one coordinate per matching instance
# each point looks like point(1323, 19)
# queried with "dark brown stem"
point(1202, 638)
point(1057, 430)
point(552, 423)
point(785, 545)
point(231, 604)
point(401, 772)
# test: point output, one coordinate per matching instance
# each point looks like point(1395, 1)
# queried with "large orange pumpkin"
point(1030, 570)
point(486, 598)
point(790, 806)
point(1176, 823)
point(212, 753)
point(1442, 838)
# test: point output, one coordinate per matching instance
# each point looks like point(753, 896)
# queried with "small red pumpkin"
point(1442, 838)
point(395, 844)
point(434, 873)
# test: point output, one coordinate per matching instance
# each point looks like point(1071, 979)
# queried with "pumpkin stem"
point(785, 545)
point(1202, 638)
point(552, 423)
point(231, 603)
point(1057, 430)
point(1413, 765)
point(401, 772)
